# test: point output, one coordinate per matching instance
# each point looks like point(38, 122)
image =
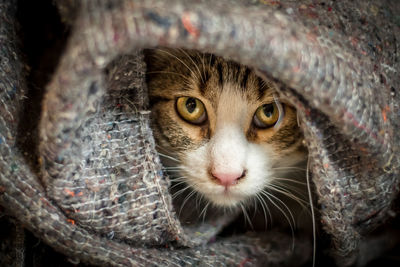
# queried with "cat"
point(221, 127)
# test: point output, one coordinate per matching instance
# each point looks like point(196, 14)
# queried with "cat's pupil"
point(191, 104)
point(268, 110)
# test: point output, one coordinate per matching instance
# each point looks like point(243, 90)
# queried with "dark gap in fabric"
point(43, 39)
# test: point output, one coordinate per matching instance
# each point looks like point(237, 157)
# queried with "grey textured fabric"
point(101, 196)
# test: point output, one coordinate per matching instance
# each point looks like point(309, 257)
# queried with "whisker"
point(178, 178)
point(288, 189)
point(157, 145)
point(299, 199)
point(185, 200)
point(173, 171)
point(298, 189)
point(181, 61)
point(264, 208)
point(194, 63)
point(204, 67)
point(268, 196)
point(197, 199)
point(162, 148)
point(168, 157)
point(204, 211)
point(255, 207)
point(177, 184)
point(289, 168)
point(290, 195)
point(289, 180)
point(291, 189)
point(246, 216)
point(180, 191)
point(173, 168)
point(209, 62)
point(312, 212)
point(169, 72)
point(167, 153)
point(285, 206)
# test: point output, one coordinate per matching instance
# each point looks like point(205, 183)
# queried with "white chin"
point(226, 199)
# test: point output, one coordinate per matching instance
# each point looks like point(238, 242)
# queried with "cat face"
point(223, 124)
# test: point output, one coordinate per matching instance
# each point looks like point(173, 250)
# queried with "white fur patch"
point(229, 151)
point(227, 154)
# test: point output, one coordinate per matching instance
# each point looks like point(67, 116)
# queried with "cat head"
point(225, 127)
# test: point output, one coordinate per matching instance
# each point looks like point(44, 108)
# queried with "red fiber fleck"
point(41, 199)
point(326, 165)
point(354, 41)
point(71, 221)
point(189, 26)
point(47, 203)
point(69, 192)
point(329, 9)
point(119, 105)
point(296, 69)
point(243, 262)
point(274, 3)
point(2, 189)
point(269, 2)
point(109, 136)
point(362, 127)
point(384, 113)
point(312, 37)
point(80, 194)
point(355, 122)
point(363, 52)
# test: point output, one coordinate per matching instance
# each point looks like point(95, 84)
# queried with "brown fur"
point(231, 94)
point(175, 73)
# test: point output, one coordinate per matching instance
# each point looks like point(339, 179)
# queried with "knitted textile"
point(101, 196)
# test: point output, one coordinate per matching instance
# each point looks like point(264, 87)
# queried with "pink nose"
point(227, 179)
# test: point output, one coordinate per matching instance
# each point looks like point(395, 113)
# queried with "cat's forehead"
point(190, 72)
point(229, 76)
point(211, 75)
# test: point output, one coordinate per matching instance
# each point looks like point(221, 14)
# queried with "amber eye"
point(266, 116)
point(191, 109)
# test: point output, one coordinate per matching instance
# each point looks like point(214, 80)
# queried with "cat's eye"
point(191, 109)
point(266, 116)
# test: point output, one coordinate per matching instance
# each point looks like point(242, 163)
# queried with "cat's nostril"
point(243, 175)
point(228, 178)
